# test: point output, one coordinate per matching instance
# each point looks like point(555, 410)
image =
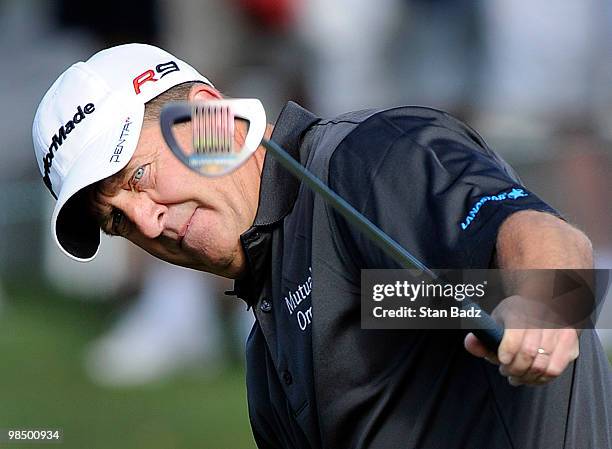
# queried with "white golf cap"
point(87, 127)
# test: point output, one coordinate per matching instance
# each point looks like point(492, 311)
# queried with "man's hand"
point(530, 356)
point(533, 240)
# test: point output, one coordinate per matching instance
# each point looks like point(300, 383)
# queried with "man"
point(314, 377)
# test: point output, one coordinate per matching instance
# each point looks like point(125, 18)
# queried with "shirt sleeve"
point(436, 190)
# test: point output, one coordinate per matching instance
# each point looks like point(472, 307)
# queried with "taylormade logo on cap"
point(87, 128)
point(60, 137)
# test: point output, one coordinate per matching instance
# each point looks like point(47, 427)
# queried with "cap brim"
point(73, 227)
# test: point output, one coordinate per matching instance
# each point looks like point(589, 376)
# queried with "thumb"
point(475, 347)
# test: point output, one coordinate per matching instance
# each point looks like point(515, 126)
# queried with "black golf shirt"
point(314, 377)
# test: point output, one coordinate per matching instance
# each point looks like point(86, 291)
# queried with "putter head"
point(213, 150)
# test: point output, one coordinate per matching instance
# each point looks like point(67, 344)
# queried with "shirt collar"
point(277, 193)
point(279, 188)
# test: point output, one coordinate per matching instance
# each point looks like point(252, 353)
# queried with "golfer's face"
point(174, 213)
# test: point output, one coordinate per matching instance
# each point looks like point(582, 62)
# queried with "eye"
point(138, 174)
point(118, 219)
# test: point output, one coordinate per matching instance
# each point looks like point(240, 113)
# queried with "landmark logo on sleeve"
point(513, 194)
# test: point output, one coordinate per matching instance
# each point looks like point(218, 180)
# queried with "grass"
point(43, 385)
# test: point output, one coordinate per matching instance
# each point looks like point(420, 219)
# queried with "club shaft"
point(485, 328)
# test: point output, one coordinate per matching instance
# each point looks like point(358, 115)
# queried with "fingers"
point(510, 345)
point(475, 347)
point(565, 352)
point(538, 371)
point(529, 356)
point(536, 356)
point(519, 354)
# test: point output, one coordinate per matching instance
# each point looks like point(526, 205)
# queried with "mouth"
point(185, 229)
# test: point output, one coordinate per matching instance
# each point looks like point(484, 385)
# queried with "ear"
point(201, 91)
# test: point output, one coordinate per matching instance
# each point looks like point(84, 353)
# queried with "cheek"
point(175, 183)
point(211, 244)
point(210, 231)
point(172, 189)
point(212, 238)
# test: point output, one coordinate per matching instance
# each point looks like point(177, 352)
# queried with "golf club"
point(213, 155)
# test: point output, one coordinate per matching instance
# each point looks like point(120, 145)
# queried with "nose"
point(147, 215)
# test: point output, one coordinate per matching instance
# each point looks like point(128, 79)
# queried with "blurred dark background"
point(129, 352)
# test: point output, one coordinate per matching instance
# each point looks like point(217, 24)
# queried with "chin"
point(211, 245)
point(228, 270)
point(220, 260)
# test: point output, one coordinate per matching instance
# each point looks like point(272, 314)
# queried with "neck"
point(251, 172)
